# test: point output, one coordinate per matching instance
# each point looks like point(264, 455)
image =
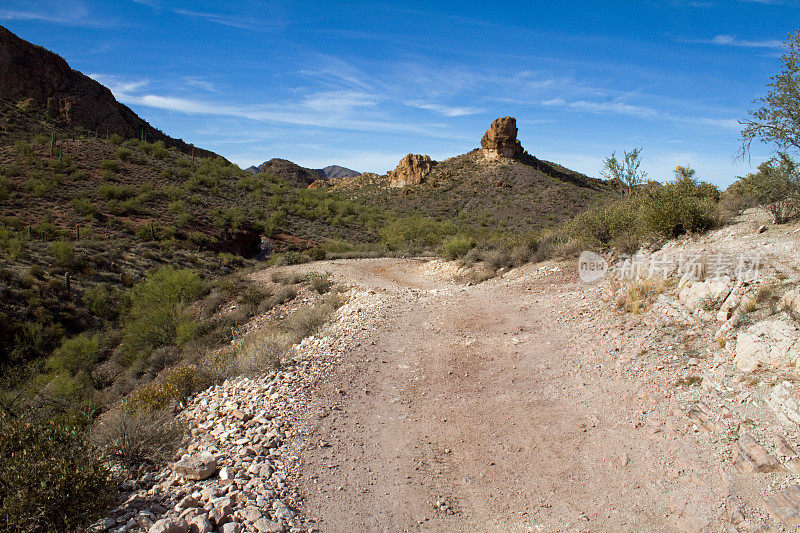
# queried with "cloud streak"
point(645, 112)
point(732, 40)
point(342, 110)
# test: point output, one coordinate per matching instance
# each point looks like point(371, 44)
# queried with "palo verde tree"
point(777, 121)
point(626, 171)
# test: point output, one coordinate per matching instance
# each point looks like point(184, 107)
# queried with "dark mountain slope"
point(34, 76)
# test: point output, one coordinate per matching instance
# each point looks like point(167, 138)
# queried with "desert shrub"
point(158, 150)
point(100, 300)
point(23, 149)
point(319, 282)
point(50, 479)
point(156, 310)
point(63, 253)
point(122, 153)
point(256, 353)
point(85, 207)
point(110, 165)
point(457, 246)
point(605, 225)
point(116, 192)
point(11, 244)
point(775, 188)
point(229, 220)
point(174, 388)
point(414, 233)
point(76, 354)
point(132, 438)
point(5, 187)
point(116, 139)
point(683, 205)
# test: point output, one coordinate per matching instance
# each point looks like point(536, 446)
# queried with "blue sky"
point(363, 83)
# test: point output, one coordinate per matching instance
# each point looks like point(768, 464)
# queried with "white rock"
point(771, 344)
point(703, 293)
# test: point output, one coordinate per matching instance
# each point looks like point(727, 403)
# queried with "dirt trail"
point(501, 403)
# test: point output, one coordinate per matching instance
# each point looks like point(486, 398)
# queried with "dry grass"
point(636, 296)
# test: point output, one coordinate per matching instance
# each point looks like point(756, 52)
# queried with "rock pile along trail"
point(503, 406)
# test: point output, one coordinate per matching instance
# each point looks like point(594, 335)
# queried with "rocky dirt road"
point(498, 407)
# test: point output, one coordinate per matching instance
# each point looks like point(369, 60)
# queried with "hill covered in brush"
point(496, 188)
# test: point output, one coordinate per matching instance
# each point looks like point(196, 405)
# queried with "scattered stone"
point(268, 526)
point(201, 524)
point(232, 527)
point(170, 525)
point(196, 468)
point(749, 456)
point(761, 229)
point(701, 415)
point(783, 447)
point(784, 506)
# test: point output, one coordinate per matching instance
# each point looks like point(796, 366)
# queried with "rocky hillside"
point(499, 186)
point(34, 77)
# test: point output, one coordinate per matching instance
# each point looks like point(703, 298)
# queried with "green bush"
point(63, 253)
point(77, 354)
point(156, 310)
point(115, 139)
point(158, 150)
point(775, 188)
point(85, 207)
point(100, 300)
point(413, 234)
point(683, 205)
point(123, 154)
point(457, 246)
point(116, 192)
point(175, 387)
point(50, 479)
point(110, 165)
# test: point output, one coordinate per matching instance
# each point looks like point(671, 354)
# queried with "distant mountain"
point(289, 171)
point(283, 168)
point(335, 171)
point(34, 76)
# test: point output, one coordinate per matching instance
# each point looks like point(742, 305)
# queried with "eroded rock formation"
point(500, 140)
point(411, 170)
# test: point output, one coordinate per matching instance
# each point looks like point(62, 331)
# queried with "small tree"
point(778, 119)
point(626, 172)
point(775, 187)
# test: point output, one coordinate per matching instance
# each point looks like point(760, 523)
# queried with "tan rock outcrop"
point(500, 140)
point(411, 170)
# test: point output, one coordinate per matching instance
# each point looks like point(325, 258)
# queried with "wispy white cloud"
point(243, 23)
point(732, 40)
point(344, 110)
point(200, 83)
point(118, 85)
point(64, 13)
point(617, 108)
point(646, 112)
point(447, 111)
